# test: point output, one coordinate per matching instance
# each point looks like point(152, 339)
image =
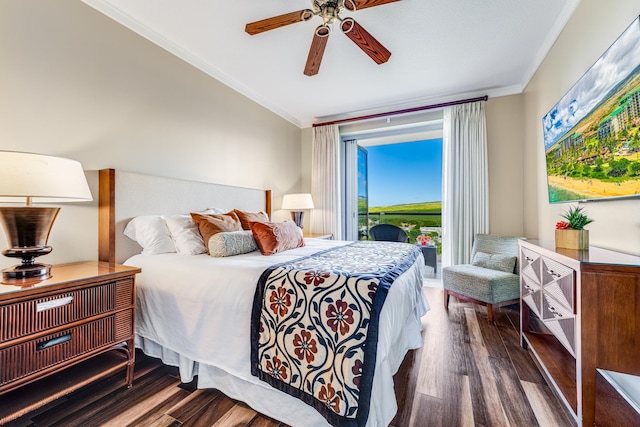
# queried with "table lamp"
point(35, 178)
point(297, 203)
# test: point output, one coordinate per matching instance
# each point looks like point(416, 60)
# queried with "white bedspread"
point(194, 312)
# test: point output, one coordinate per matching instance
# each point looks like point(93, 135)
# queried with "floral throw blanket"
point(314, 326)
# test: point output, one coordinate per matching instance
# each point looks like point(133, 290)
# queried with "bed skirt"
point(277, 404)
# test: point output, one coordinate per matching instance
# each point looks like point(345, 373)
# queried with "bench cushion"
point(490, 286)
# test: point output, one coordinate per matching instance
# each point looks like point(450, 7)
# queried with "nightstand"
point(430, 254)
point(59, 334)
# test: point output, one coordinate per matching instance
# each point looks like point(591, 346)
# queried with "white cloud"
point(610, 69)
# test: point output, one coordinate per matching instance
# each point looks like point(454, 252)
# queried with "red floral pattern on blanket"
point(280, 301)
point(314, 321)
point(339, 315)
point(328, 396)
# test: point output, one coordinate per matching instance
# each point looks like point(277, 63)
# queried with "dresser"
point(580, 315)
point(62, 333)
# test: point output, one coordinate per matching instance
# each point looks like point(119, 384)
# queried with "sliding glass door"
point(363, 194)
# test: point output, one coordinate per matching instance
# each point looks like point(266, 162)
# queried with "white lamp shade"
point(297, 202)
point(46, 179)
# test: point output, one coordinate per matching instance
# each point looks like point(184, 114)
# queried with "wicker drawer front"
point(30, 357)
point(29, 317)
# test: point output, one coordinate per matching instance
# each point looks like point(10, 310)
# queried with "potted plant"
point(570, 234)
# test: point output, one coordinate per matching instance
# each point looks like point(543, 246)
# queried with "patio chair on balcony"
point(388, 233)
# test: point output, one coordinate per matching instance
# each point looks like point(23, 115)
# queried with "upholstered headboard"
point(125, 195)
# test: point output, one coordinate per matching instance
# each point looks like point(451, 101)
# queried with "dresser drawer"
point(30, 357)
point(530, 283)
point(529, 258)
point(28, 317)
point(560, 321)
point(534, 300)
point(558, 302)
point(558, 280)
point(529, 271)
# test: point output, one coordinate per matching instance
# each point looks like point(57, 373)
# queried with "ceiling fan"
point(329, 11)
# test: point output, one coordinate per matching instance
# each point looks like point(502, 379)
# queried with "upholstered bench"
point(492, 279)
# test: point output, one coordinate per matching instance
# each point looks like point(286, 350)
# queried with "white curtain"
point(465, 210)
point(325, 181)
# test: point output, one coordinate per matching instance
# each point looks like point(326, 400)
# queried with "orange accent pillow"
point(216, 223)
point(274, 237)
point(248, 217)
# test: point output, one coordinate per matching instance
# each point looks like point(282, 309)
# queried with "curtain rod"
point(408, 110)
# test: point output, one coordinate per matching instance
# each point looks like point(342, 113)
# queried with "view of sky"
point(409, 172)
point(617, 63)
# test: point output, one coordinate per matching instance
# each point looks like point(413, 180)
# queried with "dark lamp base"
point(27, 229)
point(297, 217)
point(22, 272)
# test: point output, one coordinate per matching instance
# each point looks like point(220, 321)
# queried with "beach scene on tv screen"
point(592, 136)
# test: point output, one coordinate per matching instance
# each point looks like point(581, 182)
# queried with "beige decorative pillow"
point(494, 262)
point(229, 243)
point(248, 217)
point(213, 224)
point(274, 237)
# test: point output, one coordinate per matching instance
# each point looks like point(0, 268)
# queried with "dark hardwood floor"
point(468, 373)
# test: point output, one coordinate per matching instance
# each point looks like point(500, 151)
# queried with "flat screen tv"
point(591, 136)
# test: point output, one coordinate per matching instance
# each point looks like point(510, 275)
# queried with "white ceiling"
point(442, 50)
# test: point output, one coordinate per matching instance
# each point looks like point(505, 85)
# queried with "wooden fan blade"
point(278, 21)
point(365, 41)
point(316, 52)
point(363, 4)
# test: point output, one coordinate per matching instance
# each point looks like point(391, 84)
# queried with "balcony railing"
point(414, 223)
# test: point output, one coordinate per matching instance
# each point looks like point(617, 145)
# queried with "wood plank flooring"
point(468, 373)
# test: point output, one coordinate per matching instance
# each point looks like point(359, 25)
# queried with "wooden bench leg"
point(490, 313)
point(446, 299)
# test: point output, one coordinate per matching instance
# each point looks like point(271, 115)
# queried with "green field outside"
point(411, 217)
point(427, 207)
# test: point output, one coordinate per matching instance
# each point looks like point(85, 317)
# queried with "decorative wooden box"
point(572, 239)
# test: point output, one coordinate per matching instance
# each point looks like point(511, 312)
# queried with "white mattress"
point(194, 312)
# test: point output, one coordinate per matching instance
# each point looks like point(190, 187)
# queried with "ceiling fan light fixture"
point(347, 25)
point(306, 14)
point(350, 5)
point(329, 11)
point(323, 30)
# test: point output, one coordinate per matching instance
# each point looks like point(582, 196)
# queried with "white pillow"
point(185, 234)
point(151, 233)
point(215, 211)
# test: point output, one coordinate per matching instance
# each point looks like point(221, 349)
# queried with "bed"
point(194, 311)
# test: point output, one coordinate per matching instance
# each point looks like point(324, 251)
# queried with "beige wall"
point(593, 27)
point(505, 141)
point(76, 84)
point(505, 145)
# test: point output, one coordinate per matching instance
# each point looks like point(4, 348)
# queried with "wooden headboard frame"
point(125, 195)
